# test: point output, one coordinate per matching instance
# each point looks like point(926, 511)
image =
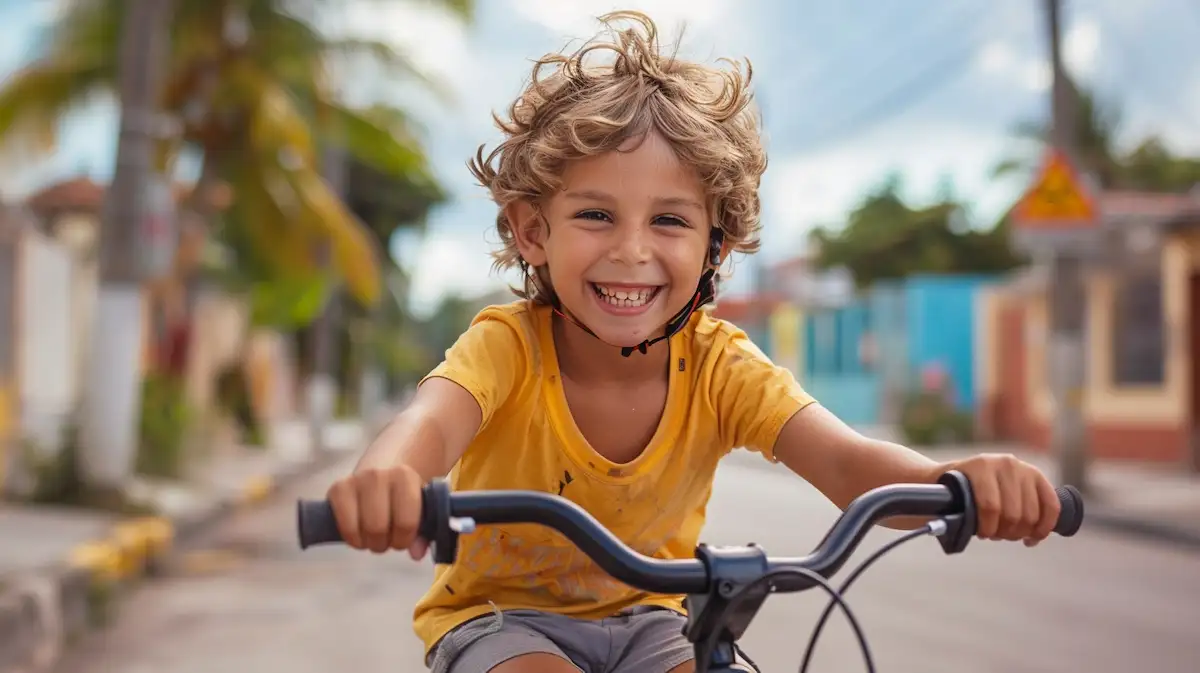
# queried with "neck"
point(584, 358)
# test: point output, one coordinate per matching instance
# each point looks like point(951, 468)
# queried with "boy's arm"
point(430, 434)
point(843, 464)
point(1014, 500)
point(453, 401)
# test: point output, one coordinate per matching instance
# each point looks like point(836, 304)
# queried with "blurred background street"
point(234, 234)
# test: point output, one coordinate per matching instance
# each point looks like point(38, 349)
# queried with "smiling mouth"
point(626, 297)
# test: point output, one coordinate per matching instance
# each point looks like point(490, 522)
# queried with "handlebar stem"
point(731, 570)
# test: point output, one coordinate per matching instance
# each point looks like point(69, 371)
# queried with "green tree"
point(250, 87)
point(1152, 167)
point(885, 239)
point(1097, 122)
point(452, 318)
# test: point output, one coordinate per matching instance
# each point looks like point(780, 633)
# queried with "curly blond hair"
point(582, 109)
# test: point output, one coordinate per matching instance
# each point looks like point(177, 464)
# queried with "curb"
point(40, 616)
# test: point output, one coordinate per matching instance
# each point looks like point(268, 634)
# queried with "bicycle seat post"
point(722, 614)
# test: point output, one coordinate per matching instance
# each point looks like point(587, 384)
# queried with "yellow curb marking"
point(100, 559)
point(256, 489)
point(126, 551)
point(134, 542)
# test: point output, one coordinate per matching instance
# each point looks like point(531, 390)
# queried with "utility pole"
point(1067, 354)
point(111, 405)
point(322, 389)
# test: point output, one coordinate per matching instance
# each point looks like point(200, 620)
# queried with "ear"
point(721, 252)
point(529, 231)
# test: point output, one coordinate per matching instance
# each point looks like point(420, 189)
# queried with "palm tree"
point(1150, 166)
point(248, 81)
point(249, 86)
point(1097, 123)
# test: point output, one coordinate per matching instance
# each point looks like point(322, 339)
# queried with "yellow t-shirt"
point(723, 393)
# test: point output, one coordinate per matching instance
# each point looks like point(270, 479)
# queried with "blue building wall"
point(941, 328)
point(924, 320)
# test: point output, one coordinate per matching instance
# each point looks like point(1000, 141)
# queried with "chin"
point(627, 335)
point(624, 337)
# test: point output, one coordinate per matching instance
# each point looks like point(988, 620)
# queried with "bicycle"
point(724, 586)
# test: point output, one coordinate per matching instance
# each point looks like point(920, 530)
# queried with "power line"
point(936, 33)
point(901, 97)
point(865, 41)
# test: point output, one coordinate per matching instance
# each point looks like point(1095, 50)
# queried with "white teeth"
point(625, 298)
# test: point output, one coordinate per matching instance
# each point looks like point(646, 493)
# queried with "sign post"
point(1058, 218)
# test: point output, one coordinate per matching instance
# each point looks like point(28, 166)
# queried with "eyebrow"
point(593, 195)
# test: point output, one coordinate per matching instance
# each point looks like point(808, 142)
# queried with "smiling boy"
point(622, 187)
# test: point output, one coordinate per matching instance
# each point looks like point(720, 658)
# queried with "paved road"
point(1096, 602)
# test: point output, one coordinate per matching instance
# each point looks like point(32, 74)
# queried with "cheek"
point(686, 264)
point(567, 258)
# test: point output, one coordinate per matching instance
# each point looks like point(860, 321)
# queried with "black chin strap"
point(705, 292)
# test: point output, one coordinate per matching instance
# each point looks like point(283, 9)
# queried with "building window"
point(1139, 351)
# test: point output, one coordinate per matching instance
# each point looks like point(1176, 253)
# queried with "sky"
point(849, 91)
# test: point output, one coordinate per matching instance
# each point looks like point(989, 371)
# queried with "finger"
point(418, 548)
point(1050, 509)
point(987, 505)
point(344, 502)
point(1031, 509)
point(1012, 505)
point(375, 511)
point(404, 520)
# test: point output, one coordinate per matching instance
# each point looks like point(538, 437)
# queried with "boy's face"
point(628, 238)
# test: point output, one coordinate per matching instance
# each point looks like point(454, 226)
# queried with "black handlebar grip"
point(316, 523)
point(1070, 518)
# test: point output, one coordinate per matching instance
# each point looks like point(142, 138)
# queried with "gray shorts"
point(643, 639)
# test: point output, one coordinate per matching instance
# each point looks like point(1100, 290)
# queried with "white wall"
point(45, 348)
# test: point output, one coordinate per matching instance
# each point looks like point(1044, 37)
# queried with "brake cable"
point(927, 529)
point(836, 598)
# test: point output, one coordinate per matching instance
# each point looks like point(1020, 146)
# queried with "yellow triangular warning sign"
point(1057, 198)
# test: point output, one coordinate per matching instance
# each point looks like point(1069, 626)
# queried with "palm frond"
point(386, 147)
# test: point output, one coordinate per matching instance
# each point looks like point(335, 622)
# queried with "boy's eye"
point(670, 220)
point(601, 216)
point(597, 215)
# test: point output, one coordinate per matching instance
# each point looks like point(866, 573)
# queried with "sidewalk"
point(1156, 502)
point(58, 565)
point(1151, 501)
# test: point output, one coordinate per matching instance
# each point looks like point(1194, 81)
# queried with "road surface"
point(251, 601)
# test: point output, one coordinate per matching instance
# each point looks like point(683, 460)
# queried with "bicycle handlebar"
point(444, 512)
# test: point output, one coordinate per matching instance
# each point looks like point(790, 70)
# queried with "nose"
point(632, 245)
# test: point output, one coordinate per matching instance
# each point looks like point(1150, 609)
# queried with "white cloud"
point(1003, 59)
point(1036, 75)
point(996, 58)
point(1006, 59)
point(450, 262)
point(435, 39)
point(1081, 47)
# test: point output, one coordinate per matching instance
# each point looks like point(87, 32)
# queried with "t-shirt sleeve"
point(488, 360)
point(753, 397)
